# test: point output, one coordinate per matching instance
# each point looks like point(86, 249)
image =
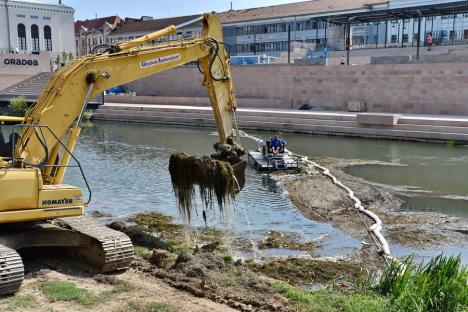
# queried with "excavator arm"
point(61, 105)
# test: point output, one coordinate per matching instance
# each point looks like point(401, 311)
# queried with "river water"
point(127, 167)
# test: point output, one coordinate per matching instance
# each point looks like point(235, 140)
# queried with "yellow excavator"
point(36, 209)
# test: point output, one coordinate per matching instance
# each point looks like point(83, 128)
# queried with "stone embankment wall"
point(398, 88)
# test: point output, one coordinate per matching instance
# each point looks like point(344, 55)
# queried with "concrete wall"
point(409, 88)
point(23, 67)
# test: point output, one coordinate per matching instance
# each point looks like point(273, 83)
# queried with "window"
point(262, 47)
point(394, 39)
point(305, 25)
point(22, 37)
point(465, 34)
point(35, 37)
point(453, 35)
point(48, 38)
point(245, 30)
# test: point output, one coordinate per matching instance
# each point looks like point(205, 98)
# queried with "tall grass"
point(440, 285)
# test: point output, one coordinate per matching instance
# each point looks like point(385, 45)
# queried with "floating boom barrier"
point(375, 229)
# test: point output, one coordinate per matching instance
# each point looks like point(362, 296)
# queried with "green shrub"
point(228, 258)
point(440, 285)
point(18, 106)
point(87, 115)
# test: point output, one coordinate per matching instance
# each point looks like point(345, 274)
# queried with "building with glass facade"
point(274, 30)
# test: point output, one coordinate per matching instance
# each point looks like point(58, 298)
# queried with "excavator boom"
point(64, 99)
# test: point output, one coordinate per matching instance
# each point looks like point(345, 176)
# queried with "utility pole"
point(419, 36)
point(8, 26)
point(348, 40)
point(289, 43)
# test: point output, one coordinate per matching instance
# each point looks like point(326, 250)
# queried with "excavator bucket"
point(239, 173)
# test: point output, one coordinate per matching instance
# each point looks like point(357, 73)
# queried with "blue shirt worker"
point(276, 144)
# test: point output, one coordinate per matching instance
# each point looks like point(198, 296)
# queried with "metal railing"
point(40, 136)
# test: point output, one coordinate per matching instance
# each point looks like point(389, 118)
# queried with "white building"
point(36, 28)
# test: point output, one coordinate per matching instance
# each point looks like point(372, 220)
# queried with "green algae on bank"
point(301, 272)
point(275, 239)
point(155, 222)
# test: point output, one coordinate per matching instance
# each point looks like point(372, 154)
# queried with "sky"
point(87, 9)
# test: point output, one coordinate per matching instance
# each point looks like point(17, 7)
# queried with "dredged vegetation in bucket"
point(214, 179)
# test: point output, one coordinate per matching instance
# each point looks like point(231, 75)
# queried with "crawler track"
point(80, 237)
point(110, 250)
point(11, 271)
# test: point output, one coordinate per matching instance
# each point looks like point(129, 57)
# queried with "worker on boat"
point(277, 145)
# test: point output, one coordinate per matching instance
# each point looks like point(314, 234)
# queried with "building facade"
point(90, 33)
point(275, 30)
point(36, 28)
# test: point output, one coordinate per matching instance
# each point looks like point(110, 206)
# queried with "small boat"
point(265, 159)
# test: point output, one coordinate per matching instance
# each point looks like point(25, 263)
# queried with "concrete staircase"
point(409, 127)
point(32, 88)
point(29, 88)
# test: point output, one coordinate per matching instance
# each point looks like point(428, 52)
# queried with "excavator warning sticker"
point(160, 60)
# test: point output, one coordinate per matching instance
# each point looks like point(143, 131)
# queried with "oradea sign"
point(20, 62)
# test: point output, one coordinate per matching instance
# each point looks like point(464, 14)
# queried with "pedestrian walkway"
point(412, 127)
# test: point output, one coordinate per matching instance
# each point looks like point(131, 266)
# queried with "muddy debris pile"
point(214, 178)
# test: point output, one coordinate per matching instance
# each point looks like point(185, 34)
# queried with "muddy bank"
point(203, 267)
point(319, 199)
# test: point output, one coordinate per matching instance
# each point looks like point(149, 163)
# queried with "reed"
point(439, 285)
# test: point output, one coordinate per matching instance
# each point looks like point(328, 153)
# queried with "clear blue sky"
point(157, 8)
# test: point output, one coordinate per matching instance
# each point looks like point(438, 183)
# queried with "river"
point(127, 167)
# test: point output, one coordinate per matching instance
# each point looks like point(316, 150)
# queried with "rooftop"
point(96, 23)
point(38, 3)
point(151, 25)
point(297, 9)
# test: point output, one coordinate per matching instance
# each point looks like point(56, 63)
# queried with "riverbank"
point(319, 199)
point(406, 127)
point(172, 273)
